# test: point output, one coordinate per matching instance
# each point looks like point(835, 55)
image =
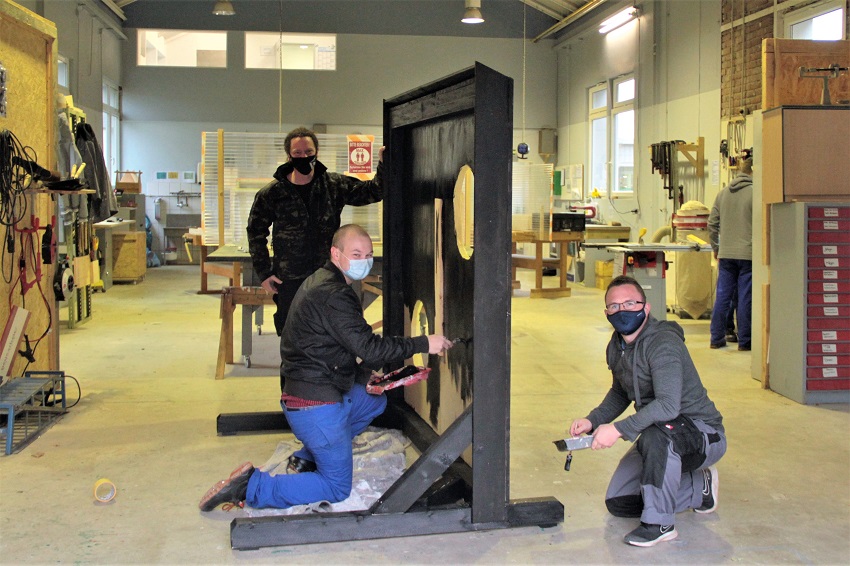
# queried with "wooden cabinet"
point(806, 153)
point(129, 258)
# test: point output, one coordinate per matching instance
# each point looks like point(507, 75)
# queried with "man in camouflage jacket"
point(302, 206)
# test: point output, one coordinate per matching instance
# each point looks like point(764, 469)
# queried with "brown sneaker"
point(231, 490)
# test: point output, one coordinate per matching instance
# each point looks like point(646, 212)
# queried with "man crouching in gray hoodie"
point(677, 431)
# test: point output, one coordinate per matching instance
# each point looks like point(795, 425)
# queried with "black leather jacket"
point(324, 335)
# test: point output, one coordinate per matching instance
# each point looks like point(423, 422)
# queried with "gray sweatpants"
point(654, 481)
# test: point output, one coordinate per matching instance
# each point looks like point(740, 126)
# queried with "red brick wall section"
point(740, 56)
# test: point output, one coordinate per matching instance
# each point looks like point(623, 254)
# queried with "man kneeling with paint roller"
point(677, 431)
point(324, 393)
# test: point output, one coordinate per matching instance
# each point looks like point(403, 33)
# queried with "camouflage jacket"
point(302, 225)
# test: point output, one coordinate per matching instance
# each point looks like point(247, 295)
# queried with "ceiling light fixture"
point(618, 19)
point(472, 14)
point(224, 8)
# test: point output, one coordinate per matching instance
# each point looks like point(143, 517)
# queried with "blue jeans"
point(733, 275)
point(326, 431)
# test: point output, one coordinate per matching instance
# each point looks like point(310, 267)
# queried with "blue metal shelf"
point(30, 404)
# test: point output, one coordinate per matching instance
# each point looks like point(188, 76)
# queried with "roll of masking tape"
point(104, 490)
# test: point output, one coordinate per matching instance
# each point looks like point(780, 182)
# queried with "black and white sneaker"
point(650, 535)
point(710, 486)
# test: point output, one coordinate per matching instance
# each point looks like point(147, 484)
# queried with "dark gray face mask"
point(627, 322)
point(303, 165)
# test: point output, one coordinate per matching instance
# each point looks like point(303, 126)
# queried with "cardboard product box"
point(128, 181)
point(602, 281)
point(605, 268)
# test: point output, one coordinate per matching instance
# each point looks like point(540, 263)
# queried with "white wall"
point(166, 109)
point(674, 51)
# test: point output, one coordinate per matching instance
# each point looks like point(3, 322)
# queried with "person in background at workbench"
point(730, 229)
point(324, 396)
point(677, 431)
point(302, 205)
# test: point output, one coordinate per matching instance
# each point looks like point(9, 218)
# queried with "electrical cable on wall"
point(16, 164)
point(522, 148)
point(18, 167)
point(280, 69)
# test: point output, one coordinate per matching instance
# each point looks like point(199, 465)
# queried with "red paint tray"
point(398, 378)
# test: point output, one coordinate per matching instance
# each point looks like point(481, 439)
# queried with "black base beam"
point(289, 530)
point(234, 423)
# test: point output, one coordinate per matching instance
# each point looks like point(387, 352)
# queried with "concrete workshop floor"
point(146, 421)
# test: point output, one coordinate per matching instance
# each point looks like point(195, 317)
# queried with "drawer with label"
point(829, 212)
point(828, 348)
point(842, 335)
point(828, 262)
point(828, 225)
point(829, 274)
point(829, 298)
point(838, 311)
point(836, 372)
point(829, 250)
point(828, 286)
point(830, 360)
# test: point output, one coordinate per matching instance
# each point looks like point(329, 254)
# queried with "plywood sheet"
point(28, 52)
point(781, 62)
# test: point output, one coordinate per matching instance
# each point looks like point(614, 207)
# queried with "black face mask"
point(627, 322)
point(303, 165)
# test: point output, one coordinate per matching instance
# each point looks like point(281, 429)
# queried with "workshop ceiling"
point(544, 19)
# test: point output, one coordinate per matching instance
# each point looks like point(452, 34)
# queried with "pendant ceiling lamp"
point(224, 8)
point(472, 13)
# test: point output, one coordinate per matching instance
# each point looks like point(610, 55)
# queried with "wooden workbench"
point(538, 262)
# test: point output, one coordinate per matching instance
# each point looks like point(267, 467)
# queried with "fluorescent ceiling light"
point(472, 14)
point(618, 19)
point(224, 8)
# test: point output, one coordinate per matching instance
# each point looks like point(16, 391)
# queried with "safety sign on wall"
point(360, 156)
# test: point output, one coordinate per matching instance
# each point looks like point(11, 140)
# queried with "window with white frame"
point(269, 50)
point(63, 74)
point(598, 104)
point(821, 21)
point(111, 126)
point(181, 48)
point(612, 137)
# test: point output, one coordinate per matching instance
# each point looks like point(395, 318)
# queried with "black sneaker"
point(744, 347)
point(732, 337)
point(710, 486)
point(231, 490)
point(650, 535)
point(298, 465)
point(716, 345)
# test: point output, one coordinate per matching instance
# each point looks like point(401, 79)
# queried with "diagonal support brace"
point(428, 467)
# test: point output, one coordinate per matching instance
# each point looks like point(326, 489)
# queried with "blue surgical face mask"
point(358, 268)
point(627, 322)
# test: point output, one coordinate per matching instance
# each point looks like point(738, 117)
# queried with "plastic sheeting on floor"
point(379, 460)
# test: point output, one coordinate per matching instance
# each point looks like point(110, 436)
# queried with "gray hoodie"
point(655, 372)
point(734, 208)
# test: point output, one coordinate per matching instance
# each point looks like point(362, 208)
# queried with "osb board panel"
point(128, 255)
point(781, 62)
point(28, 52)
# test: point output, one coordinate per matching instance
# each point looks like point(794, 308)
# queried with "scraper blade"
point(576, 443)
